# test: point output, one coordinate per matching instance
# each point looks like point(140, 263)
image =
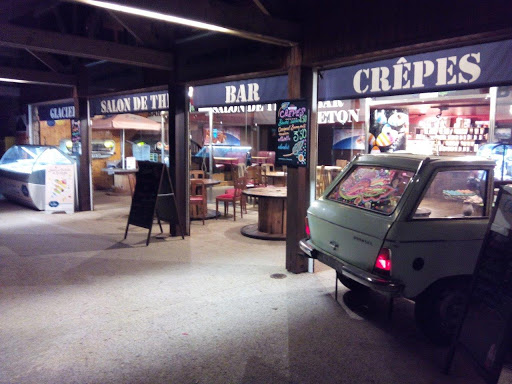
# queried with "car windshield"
point(374, 188)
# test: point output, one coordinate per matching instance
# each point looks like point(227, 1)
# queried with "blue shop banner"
point(56, 111)
point(473, 66)
point(139, 102)
point(252, 91)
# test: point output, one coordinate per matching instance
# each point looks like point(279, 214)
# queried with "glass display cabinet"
point(501, 153)
point(23, 172)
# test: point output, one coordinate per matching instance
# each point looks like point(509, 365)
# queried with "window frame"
point(485, 199)
point(371, 166)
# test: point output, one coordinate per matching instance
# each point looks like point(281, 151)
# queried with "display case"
point(501, 153)
point(23, 172)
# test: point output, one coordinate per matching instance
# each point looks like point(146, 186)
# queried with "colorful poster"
point(60, 188)
point(222, 136)
point(347, 138)
point(292, 133)
point(388, 130)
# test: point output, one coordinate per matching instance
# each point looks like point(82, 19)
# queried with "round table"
point(271, 214)
point(211, 213)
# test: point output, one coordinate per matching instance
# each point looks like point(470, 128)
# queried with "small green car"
point(407, 226)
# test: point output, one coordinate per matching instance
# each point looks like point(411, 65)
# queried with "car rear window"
point(374, 188)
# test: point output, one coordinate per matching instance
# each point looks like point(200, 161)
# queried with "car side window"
point(454, 194)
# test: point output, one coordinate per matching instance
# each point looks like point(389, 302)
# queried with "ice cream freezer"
point(23, 172)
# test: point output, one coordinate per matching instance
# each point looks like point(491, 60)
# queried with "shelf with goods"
point(464, 136)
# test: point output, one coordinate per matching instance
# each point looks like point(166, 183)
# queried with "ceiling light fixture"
point(7, 80)
point(186, 22)
point(156, 15)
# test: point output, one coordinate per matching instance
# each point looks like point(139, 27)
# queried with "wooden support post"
point(299, 80)
point(178, 152)
point(84, 159)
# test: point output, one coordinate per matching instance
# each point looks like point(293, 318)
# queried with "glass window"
point(454, 194)
point(341, 136)
point(374, 188)
point(451, 123)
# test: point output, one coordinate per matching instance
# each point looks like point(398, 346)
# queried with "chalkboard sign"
point(153, 193)
point(485, 332)
point(292, 133)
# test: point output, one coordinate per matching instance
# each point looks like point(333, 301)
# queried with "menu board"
point(148, 180)
point(292, 133)
point(485, 332)
point(76, 138)
point(60, 188)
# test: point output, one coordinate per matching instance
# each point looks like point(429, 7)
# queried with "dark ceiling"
point(60, 43)
point(56, 42)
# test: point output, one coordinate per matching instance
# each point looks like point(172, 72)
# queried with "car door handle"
point(334, 245)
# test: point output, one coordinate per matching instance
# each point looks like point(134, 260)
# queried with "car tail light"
point(383, 262)
point(308, 232)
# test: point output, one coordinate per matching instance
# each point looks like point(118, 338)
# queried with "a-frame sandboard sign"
point(153, 195)
point(485, 330)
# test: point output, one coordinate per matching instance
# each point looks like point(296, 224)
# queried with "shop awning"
point(126, 121)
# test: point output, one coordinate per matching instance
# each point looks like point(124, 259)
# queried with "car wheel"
point(351, 284)
point(439, 309)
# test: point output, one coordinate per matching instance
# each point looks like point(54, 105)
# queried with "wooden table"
point(229, 160)
point(278, 178)
point(121, 174)
point(271, 214)
point(210, 213)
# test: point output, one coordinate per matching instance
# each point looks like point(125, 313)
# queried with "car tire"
point(351, 284)
point(439, 309)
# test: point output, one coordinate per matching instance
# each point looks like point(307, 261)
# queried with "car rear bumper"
point(377, 283)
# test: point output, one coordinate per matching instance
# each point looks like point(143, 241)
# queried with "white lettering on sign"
point(241, 108)
point(241, 94)
point(159, 101)
point(116, 106)
point(135, 103)
point(140, 103)
point(62, 113)
point(404, 75)
point(341, 116)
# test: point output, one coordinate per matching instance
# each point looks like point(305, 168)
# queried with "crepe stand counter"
point(23, 172)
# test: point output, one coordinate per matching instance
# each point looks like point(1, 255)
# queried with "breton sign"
point(485, 332)
point(139, 102)
point(465, 67)
point(292, 133)
point(242, 92)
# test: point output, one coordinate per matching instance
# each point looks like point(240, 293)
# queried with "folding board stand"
point(484, 332)
point(153, 190)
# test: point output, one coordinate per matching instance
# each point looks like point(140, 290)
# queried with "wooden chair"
point(197, 174)
point(198, 199)
point(233, 196)
point(320, 180)
point(265, 168)
point(238, 170)
point(254, 177)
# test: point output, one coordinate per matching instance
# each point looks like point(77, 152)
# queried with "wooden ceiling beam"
point(63, 44)
point(239, 22)
point(48, 60)
point(37, 77)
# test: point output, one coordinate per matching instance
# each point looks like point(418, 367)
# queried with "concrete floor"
point(78, 304)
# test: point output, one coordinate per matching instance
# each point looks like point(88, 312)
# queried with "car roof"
point(412, 161)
